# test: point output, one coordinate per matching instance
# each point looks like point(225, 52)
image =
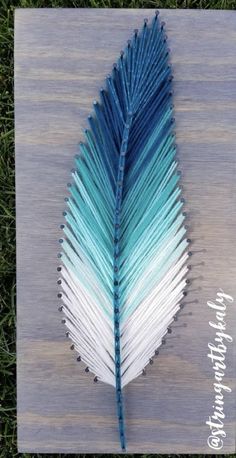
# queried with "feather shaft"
point(116, 265)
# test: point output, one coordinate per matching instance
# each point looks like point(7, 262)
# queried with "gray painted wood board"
point(61, 59)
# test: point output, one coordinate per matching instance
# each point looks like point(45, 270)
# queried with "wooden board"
point(61, 59)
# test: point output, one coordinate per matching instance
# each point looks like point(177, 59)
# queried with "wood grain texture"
point(61, 59)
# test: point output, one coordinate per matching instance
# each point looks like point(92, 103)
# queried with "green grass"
point(7, 197)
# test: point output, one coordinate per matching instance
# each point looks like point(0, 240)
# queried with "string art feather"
point(124, 250)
